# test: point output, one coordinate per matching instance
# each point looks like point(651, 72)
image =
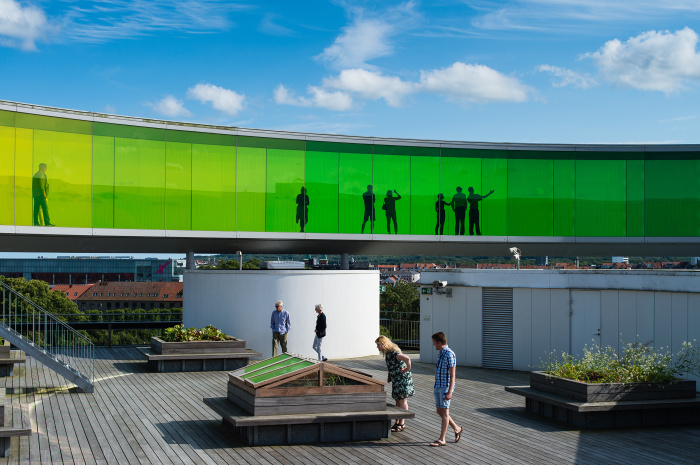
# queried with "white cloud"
point(21, 26)
point(659, 61)
point(371, 85)
point(170, 106)
point(337, 101)
point(473, 83)
point(369, 36)
point(567, 77)
point(224, 100)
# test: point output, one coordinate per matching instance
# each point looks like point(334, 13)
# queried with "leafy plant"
point(637, 363)
point(179, 333)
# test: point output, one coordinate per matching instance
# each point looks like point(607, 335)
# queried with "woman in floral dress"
point(399, 366)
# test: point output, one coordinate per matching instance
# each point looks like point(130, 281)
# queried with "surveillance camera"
point(439, 284)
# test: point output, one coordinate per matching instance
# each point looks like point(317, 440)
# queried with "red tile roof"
point(72, 291)
point(130, 291)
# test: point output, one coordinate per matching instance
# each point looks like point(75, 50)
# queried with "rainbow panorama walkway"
point(136, 417)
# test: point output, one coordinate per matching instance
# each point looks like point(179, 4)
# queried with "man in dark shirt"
point(368, 198)
point(40, 192)
point(459, 205)
point(390, 208)
point(320, 331)
point(473, 200)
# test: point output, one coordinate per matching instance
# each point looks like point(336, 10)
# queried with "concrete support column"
point(345, 261)
point(190, 261)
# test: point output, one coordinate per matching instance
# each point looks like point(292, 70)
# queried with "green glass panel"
point(24, 171)
point(425, 187)
point(263, 363)
point(322, 189)
point(7, 118)
point(635, 198)
point(285, 181)
point(250, 188)
point(200, 138)
point(178, 186)
point(355, 175)
point(392, 188)
point(335, 147)
point(671, 204)
point(564, 197)
point(600, 198)
point(139, 184)
point(270, 143)
point(213, 187)
point(459, 169)
point(494, 209)
point(49, 123)
point(281, 371)
point(272, 367)
point(7, 169)
point(68, 159)
point(530, 193)
point(103, 182)
point(128, 132)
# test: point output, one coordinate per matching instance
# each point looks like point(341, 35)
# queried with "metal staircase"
point(49, 340)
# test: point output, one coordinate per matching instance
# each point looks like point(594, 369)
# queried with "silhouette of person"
point(459, 206)
point(440, 209)
point(302, 208)
point(40, 192)
point(474, 210)
point(390, 208)
point(368, 198)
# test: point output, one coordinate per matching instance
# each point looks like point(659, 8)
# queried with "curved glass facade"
point(87, 173)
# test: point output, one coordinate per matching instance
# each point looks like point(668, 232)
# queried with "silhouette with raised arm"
point(459, 206)
point(302, 208)
point(390, 208)
point(40, 193)
point(474, 210)
point(440, 209)
point(368, 198)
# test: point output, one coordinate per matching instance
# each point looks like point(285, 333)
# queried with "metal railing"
point(403, 328)
point(45, 332)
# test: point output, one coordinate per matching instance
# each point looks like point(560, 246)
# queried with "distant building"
point(107, 296)
point(72, 291)
point(85, 270)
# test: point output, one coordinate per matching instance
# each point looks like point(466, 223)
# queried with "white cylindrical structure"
point(240, 303)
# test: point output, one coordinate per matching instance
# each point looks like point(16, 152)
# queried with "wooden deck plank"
point(136, 416)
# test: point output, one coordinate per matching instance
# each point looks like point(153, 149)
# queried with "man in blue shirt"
point(280, 324)
point(445, 373)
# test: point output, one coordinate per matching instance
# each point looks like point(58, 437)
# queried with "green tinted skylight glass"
point(282, 371)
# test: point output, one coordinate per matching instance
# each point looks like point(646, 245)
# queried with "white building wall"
point(561, 311)
point(240, 303)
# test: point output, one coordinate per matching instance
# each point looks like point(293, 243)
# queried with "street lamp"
point(516, 254)
point(240, 259)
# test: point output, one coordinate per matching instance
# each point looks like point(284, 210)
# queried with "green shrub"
point(179, 333)
point(638, 363)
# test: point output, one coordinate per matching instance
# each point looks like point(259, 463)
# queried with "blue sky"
point(549, 71)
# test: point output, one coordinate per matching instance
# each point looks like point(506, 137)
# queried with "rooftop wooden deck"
point(136, 416)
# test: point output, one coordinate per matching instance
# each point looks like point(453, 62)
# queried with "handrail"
point(47, 333)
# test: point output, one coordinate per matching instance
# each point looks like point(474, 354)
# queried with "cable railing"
point(403, 328)
point(39, 329)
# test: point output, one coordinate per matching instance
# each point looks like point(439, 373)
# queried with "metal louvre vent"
point(497, 327)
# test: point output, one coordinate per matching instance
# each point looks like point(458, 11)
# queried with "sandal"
point(394, 427)
point(399, 428)
point(458, 436)
point(437, 443)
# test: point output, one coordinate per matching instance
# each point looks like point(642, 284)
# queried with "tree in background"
point(252, 264)
point(402, 297)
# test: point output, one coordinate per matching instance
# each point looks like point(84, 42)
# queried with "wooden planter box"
point(197, 355)
point(161, 347)
point(611, 392)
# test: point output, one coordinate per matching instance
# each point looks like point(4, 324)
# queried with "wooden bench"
point(620, 414)
point(265, 430)
point(17, 422)
point(197, 362)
